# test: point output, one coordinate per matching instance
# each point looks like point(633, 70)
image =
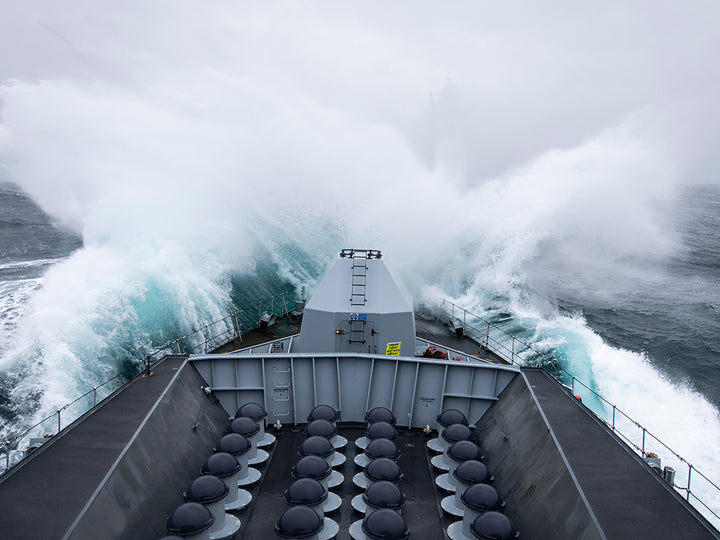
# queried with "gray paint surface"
point(530, 473)
point(166, 454)
point(334, 322)
point(42, 496)
point(629, 500)
point(416, 389)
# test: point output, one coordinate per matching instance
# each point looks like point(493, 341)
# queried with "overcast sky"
point(126, 101)
point(492, 84)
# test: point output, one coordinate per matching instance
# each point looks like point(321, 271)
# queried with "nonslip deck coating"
point(421, 512)
point(628, 500)
point(48, 491)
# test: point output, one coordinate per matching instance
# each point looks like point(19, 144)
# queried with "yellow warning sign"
point(392, 349)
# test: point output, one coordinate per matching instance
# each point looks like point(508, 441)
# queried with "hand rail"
point(180, 345)
point(483, 336)
point(485, 340)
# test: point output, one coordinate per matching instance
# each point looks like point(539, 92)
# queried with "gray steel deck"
point(49, 490)
point(628, 499)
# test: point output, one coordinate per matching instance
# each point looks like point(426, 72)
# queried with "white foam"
point(14, 296)
point(30, 264)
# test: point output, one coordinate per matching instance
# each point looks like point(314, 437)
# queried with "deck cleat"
point(299, 522)
point(211, 491)
point(190, 520)
point(381, 494)
point(466, 474)
point(318, 469)
point(449, 436)
point(325, 430)
point(377, 430)
point(458, 453)
point(493, 525)
point(477, 499)
point(445, 419)
point(380, 414)
point(378, 448)
point(311, 493)
point(258, 413)
point(383, 524)
point(239, 447)
point(377, 470)
point(329, 414)
point(250, 429)
point(227, 468)
point(320, 446)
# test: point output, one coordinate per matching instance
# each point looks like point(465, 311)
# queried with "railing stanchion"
point(690, 467)
point(613, 420)
point(94, 396)
point(487, 336)
point(58, 415)
point(643, 442)
point(512, 352)
point(573, 385)
point(7, 455)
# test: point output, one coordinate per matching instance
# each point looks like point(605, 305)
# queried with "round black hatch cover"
point(451, 416)
point(382, 448)
point(298, 522)
point(247, 427)
point(252, 410)
point(189, 518)
point(307, 491)
point(206, 489)
point(235, 444)
point(381, 430)
point(385, 524)
point(316, 446)
point(311, 467)
point(380, 414)
point(493, 525)
point(323, 412)
point(472, 472)
point(384, 494)
point(481, 497)
point(465, 450)
point(383, 469)
point(221, 464)
point(320, 428)
point(457, 432)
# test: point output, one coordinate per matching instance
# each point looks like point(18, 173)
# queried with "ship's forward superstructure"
point(359, 306)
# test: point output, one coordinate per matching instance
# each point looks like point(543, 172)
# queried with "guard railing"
point(513, 350)
point(204, 339)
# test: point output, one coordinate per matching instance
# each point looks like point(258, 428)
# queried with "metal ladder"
point(359, 272)
point(357, 332)
point(359, 281)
